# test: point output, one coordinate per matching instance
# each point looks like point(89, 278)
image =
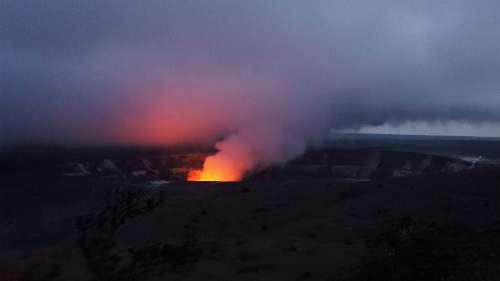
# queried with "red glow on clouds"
point(200, 110)
point(196, 110)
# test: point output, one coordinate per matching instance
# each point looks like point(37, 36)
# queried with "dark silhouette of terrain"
point(347, 210)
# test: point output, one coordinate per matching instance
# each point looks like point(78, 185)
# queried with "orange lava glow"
point(214, 170)
point(210, 175)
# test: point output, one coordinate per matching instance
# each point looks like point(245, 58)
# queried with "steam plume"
point(264, 78)
point(245, 151)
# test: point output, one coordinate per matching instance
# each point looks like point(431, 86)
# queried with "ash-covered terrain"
point(358, 207)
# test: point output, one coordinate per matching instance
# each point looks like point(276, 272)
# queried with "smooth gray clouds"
point(174, 71)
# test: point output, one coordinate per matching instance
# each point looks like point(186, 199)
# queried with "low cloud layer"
point(166, 72)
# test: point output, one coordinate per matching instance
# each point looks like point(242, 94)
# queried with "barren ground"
point(285, 230)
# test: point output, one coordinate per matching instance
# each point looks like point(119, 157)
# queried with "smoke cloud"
point(262, 79)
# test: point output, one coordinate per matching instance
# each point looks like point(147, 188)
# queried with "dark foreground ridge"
point(324, 216)
point(435, 227)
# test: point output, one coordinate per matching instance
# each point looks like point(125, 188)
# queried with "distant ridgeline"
point(343, 156)
point(452, 146)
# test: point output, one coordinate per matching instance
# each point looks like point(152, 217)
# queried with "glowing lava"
point(214, 170)
point(219, 167)
point(210, 175)
point(201, 175)
point(234, 158)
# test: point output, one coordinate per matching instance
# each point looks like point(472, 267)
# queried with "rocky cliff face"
point(366, 164)
point(342, 163)
point(166, 167)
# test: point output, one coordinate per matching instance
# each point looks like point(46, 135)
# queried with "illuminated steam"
point(263, 78)
point(249, 150)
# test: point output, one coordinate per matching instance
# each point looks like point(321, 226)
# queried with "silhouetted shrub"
point(97, 230)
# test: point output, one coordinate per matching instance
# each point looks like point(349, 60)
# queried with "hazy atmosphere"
point(279, 73)
point(346, 140)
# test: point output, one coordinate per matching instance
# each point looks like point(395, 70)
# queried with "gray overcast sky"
point(174, 71)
